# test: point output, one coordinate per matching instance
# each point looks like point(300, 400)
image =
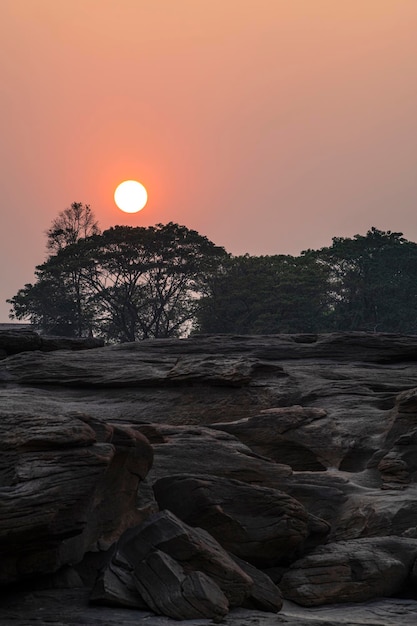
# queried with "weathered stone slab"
point(351, 571)
point(67, 485)
point(258, 524)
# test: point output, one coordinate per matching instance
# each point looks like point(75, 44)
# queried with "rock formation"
point(282, 466)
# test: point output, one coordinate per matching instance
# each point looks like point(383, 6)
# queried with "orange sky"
point(268, 125)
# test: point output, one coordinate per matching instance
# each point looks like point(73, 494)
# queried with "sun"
point(130, 196)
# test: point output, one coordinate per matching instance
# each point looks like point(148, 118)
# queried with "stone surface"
point(13, 341)
point(264, 594)
point(66, 485)
point(329, 420)
point(177, 570)
point(298, 436)
point(168, 590)
point(69, 607)
point(207, 452)
point(351, 571)
point(258, 524)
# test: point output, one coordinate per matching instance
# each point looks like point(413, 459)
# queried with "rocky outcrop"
point(295, 453)
point(352, 571)
point(177, 570)
point(207, 452)
point(15, 341)
point(68, 485)
point(301, 437)
point(261, 525)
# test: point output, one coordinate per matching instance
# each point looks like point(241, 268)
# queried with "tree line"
point(131, 283)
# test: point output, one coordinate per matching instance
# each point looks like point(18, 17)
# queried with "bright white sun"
point(130, 196)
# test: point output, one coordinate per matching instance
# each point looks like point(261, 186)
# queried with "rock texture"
point(295, 455)
point(68, 485)
point(15, 341)
point(351, 571)
point(261, 525)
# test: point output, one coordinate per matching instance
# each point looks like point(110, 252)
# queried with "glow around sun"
point(130, 196)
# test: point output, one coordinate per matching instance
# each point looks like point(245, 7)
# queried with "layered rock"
point(177, 570)
point(296, 452)
point(68, 485)
point(15, 341)
point(261, 525)
point(352, 571)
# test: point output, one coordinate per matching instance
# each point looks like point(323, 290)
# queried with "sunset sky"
point(268, 125)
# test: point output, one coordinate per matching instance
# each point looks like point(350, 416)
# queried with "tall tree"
point(73, 223)
point(147, 281)
point(267, 294)
point(374, 281)
point(128, 283)
point(57, 302)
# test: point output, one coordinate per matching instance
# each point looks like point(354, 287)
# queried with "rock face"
point(261, 525)
point(294, 455)
point(15, 341)
point(180, 571)
point(351, 571)
point(68, 485)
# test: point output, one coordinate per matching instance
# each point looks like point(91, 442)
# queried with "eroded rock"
point(67, 485)
point(258, 524)
point(351, 571)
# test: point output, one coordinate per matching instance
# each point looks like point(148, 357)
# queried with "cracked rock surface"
point(294, 456)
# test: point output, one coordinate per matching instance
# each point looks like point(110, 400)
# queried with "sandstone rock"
point(193, 548)
point(341, 408)
point(168, 590)
point(115, 585)
point(69, 607)
point(297, 436)
point(207, 452)
point(65, 486)
point(350, 571)
point(261, 525)
point(175, 570)
point(13, 341)
point(50, 343)
point(396, 458)
point(264, 594)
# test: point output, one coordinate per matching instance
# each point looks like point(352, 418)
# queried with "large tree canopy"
point(166, 280)
point(368, 282)
point(267, 294)
point(125, 284)
point(373, 282)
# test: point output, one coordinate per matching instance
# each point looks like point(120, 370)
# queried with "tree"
point(74, 223)
point(374, 282)
point(126, 283)
point(266, 294)
point(147, 281)
point(56, 302)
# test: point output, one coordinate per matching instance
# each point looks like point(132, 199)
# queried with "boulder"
point(67, 485)
point(301, 437)
point(264, 594)
point(14, 341)
point(177, 570)
point(258, 524)
point(168, 590)
point(351, 571)
point(206, 452)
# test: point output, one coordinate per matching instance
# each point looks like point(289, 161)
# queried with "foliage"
point(267, 294)
point(74, 223)
point(147, 281)
point(374, 282)
point(124, 284)
point(163, 281)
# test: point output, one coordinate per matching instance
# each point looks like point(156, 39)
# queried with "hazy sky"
point(268, 125)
